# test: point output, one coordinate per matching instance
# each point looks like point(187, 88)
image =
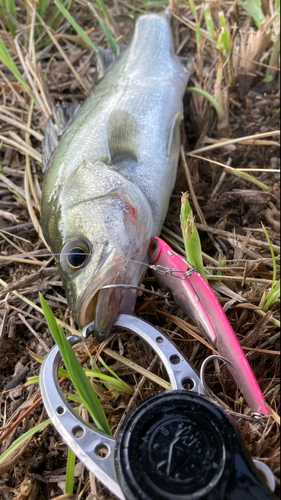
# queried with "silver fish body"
point(110, 175)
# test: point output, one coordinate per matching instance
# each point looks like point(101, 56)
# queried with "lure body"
point(110, 170)
point(197, 300)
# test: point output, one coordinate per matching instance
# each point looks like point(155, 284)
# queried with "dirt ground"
point(229, 222)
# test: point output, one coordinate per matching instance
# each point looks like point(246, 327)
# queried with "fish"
point(110, 168)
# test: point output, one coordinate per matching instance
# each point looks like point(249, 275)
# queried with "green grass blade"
point(76, 372)
point(263, 299)
point(107, 32)
point(57, 15)
point(118, 385)
point(274, 293)
point(198, 35)
point(70, 464)
point(101, 6)
point(272, 256)
point(156, 3)
point(222, 19)
point(42, 7)
point(35, 356)
point(91, 359)
point(61, 371)
point(115, 382)
point(9, 5)
point(247, 177)
point(108, 368)
point(222, 263)
point(76, 26)
point(109, 36)
point(254, 8)
point(8, 61)
point(223, 41)
point(191, 238)
point(208, 96)
point(32, 380)
point(193, 10)
point(18, 442)
point(209, 21)
point(73, 397)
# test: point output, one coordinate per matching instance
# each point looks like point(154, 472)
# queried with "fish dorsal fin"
point(123, 136)
point(173, 143)
point(106, 58)
point(62, 116)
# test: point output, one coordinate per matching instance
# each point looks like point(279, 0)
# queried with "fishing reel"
point(176, 445)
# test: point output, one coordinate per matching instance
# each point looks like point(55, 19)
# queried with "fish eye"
point(76, 257)
point(153, 246)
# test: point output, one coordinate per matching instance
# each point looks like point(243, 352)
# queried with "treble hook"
point(254, 416)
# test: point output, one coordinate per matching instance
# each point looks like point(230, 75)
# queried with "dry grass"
point(228, 210)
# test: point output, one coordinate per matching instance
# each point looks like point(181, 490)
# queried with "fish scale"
point(110, 172)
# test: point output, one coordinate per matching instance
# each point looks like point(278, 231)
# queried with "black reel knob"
point(179, 446)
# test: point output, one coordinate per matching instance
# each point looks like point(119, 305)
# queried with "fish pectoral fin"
point(173, 142)
point(56, 125)
point(105, 59)
point(123, 136)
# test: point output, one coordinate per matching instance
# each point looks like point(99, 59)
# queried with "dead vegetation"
point(229, 210)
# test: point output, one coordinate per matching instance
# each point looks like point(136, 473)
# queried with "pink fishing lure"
point(196, 299)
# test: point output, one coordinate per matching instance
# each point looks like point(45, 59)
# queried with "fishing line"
point(134, 287)
point(158, 268)
point(120, 285)
point(30, 254)
point(68, 253)
point(72, 253)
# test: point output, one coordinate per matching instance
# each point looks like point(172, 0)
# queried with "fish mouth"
point(103, 305)
point(88, 308)
point(106, 313)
